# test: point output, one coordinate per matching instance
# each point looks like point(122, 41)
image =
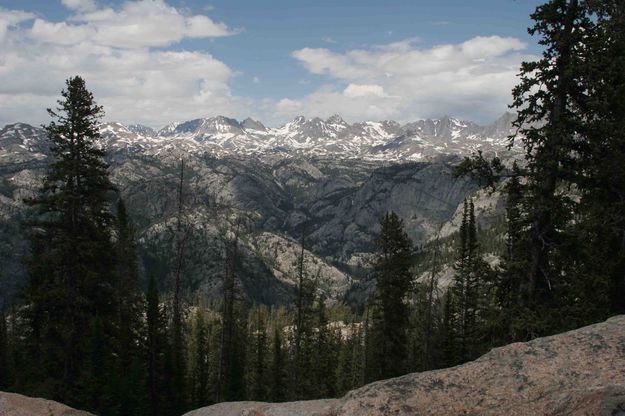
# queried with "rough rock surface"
point(581, 372)
point(12, 404)
point(302, 408)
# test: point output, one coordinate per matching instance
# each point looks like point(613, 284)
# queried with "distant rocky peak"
point(251, 124)
point(336, 119)
point(221, 124)
point(168, 129)
point(189, 126)
point(142, 130)
point(299, 120)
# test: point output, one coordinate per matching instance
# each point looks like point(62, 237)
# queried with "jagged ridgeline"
point(326, 178)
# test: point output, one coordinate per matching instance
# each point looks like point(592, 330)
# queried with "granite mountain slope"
point(326, 179)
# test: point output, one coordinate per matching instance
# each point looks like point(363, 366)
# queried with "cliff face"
point(581, 372)
point(12, 404)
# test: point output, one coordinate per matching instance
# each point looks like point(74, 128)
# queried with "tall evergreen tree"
point(199, 361)
point(177, 351)
point(349, 369)
point(156, 347)
point(509, 296)
point(549, 126)
point(302, 345)
point(72, 257)
point(427, 358)
point(465, 286)
point(602, 170)
point(446, 339)
point(258, 353)
point(393, 281)
point(228, 359)
point(327, 344)
point(567, 266)
point(129, 381)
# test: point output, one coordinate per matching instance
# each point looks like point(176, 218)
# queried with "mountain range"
point(333, 137)
point(327, 180)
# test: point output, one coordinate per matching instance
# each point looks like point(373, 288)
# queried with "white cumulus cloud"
point(358, 90)
point(11, 18)
point(405, 81)
point(135, 24)
point(118, 52)
point(124, 53)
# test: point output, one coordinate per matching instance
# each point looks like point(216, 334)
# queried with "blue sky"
point(155, 61)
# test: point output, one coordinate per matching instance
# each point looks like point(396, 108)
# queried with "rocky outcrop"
point(303, 408)
point(12, 404)
point(581, 372)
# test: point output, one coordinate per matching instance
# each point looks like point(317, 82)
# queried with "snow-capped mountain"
point(333, 137)
point(328, 177)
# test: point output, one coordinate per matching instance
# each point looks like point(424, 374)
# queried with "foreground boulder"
point(12, 404)
point(581, 372)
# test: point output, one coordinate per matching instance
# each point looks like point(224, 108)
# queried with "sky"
point(159, 61)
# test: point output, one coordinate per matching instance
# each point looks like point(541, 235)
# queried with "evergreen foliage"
point(72, 253)
point(564, 263)
point(278, 377)
point(389, 328)
point(156, 351)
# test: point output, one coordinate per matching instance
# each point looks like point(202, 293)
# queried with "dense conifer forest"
point(89, 330)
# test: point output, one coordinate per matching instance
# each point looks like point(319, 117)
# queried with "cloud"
point(356, 90)
point(124, 54)
point(12, 18)
point(203, 27)
point(328, 39)
point(80, 5)
point(60, 33)
point(135, 24)
point(405, 81)
point(118, 52)
point(288, 106)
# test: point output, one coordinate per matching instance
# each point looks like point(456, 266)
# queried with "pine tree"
point(509, 286)
point(568, 267)
point(448, 353)
point(462, 288)
point(471, 291)
point(156, 350)
point(129, 381)
point(327, 346)
point(427, 359)
point(177, 351)
point(602, 207)
point(236, 387)
point(199, 360)
point(394, 280)
point(349, 369)
point(70, 279)
point(549, 126)
point(302, 346)
point(258, 352)
point(227, 384)
point(278, 378)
